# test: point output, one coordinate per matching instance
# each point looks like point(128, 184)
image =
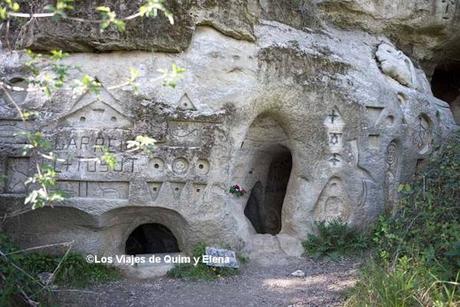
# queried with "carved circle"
point(158, 164)
point(202, 167)
point(180, 166)
point(19, 83)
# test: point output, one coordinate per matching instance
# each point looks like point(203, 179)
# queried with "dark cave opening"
point(265, 202)
point(445, 85)
point(151, 239)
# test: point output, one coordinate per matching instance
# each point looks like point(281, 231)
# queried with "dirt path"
point(323, 285)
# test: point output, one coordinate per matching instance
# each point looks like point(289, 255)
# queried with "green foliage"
point(8, 5)
point(417, 259)
point(143, 143)
point(110, 18)
point(170, 78)
point(88, 84)
point(335, 238)
point(407, 283)
point(201, 271)
point(20, 272)
point(151, 7)
point(59, 10)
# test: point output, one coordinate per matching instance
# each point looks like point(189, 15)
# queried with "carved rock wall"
point(357, 117)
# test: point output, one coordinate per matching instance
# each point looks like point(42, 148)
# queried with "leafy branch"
point(149, 8)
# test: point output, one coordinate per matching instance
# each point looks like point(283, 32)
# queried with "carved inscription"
point(90, 142)
point(82, 151)
point(186, 134)
point(93, 165)
point(95, 189)
point(334, 125)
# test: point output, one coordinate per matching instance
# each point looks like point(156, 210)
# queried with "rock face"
point(316, 122)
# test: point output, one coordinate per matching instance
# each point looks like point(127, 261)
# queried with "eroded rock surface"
point(316, 122)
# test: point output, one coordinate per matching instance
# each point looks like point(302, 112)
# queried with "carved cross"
point(333, 116)
point(67, 163)
point(334, 159)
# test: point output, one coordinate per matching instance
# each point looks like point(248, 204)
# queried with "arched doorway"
point(266, 199)
point(151, 238)
point(270, 164)
point(445, 85)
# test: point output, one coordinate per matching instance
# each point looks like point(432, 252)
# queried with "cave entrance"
point(265, 202)
point(445, 85)
point(151, 239)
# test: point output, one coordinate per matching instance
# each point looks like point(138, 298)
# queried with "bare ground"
point(323, 285)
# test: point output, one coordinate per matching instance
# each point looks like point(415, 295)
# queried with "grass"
point(334, 239)
point(19, 272)
point(416, 259)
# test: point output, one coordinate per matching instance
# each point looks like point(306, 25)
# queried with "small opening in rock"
point(154, 189)
point(198, 190)
point(265, 202)
point(156, 165)
point(82, 119)
point(16, 80)
point(200, 166)
point(113, 118)
point(445, 85)
point(150, 239)
point(176, 189)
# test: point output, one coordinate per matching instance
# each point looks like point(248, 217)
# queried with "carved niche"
point(422, 135)
point(333, 202)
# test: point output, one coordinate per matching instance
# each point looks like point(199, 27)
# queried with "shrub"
point(19, 272)
point(335, 238)
point(418, 247)
point(201, 271)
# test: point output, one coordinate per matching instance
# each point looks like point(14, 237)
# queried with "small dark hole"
point(201, 166)
point(155, 189)
point(250, 172)
point(82, 119)
point(16, 80)
point(114, 119)
point(156, 165)
point(198, 190)
point(177, 189)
